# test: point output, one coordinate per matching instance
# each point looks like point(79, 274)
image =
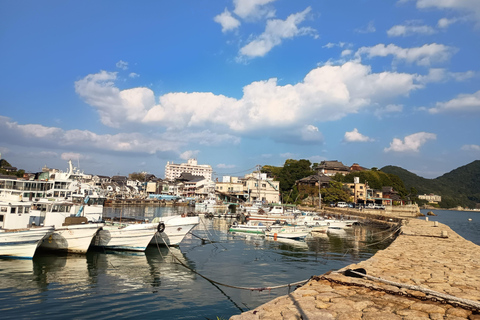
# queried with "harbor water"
point(154, 285)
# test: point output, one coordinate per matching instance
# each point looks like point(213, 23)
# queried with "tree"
point(137, 176)
point(334, 192)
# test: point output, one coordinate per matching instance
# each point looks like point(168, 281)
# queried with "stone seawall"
point(426, 256)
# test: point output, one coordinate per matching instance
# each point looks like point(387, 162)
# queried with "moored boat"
point(125, 236)
point(22, 244)
point(173, 229)
point(287, 232)
point(248, 227)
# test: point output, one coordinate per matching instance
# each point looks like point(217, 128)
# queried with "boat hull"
point(22, 244)
point(132, 237)
point(176, 228)
point(72, 239)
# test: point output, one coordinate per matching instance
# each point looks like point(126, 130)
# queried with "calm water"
point(458, 221)
point(151, 285)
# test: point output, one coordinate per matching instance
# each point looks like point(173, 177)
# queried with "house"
point(258, 187)
point(431, 198)
point(331, 168)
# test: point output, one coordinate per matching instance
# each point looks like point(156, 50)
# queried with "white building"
point(173, 171)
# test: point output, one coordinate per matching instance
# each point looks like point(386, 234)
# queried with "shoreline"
point(426, 254)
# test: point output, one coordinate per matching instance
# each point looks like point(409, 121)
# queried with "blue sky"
point(125, 86)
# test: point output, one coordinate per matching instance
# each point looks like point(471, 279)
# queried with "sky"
point(125, 86)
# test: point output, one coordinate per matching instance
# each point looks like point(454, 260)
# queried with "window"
point(12, 210)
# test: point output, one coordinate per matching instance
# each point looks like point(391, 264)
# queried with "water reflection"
point(153, 284)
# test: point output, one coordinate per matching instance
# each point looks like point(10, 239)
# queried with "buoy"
point(469, 219)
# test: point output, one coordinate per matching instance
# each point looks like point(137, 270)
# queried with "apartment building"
point(173, 171)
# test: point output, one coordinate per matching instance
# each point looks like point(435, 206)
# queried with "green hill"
point(459, 187)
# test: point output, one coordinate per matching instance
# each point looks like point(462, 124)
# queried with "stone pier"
point(426, 255)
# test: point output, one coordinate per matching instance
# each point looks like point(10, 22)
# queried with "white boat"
point(287, 232)
point(72, 234)
point(17, 237)
point(74, 238)
point(248, 227)
point(125, 236)
point(22, 244)
point(175, 228)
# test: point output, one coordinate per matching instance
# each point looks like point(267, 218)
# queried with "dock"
point(428, 272)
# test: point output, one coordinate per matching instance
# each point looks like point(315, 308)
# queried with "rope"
point(231, 286)
point(444, 296)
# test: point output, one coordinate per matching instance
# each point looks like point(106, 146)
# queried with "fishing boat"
point(73, 233)
point(173, 229)
point(18, 238)
point(287, 232)
point(248, 227)
point(125, 236)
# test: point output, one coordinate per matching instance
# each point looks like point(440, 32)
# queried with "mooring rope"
point(289, 285)
point(448, 297)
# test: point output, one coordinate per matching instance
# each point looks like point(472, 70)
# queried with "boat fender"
point(235, 223)
point(328, 223)
point(349, 273)
point(161, 227)
point(183, 215)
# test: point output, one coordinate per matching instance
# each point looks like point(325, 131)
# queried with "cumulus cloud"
point(444, 23)
point(326, 93)
point(189, 154)
point(391, 108)
point(73, 156)
point(410, 28)
point(227, 21)
point(253, 9)
point(133, 75)
point(275, 32)
point(411, 143)
point(471, 147)
point(355, 136)
point(114, 105)
point(122, 65)
point(38, 135)
point(463, 103)
point(425, 55)
point(470, 8)
point(289, 155)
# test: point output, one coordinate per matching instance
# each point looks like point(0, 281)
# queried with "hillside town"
point(190, 182)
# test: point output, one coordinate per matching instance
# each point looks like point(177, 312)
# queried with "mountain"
point(459, 187)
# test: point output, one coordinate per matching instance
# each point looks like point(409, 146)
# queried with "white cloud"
point(370, 28)
point(411, 143)
point(227, 21)
point(468, 7)
point(73, 156)
point(253, 9)
point(113, 105)
point(463, 103)
point(311, 133)
point(332, 45)
point(225, 166)
point(326, 93)
point(133, 75)
point(346, 52)
point(425, 55)
point(391, 108)
point(410, 28)
point(122, 65)
point(355, 136)
point(471, 147)
point(275, 32)
point(189, 154)
point(444, 23)
point(41, 136)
